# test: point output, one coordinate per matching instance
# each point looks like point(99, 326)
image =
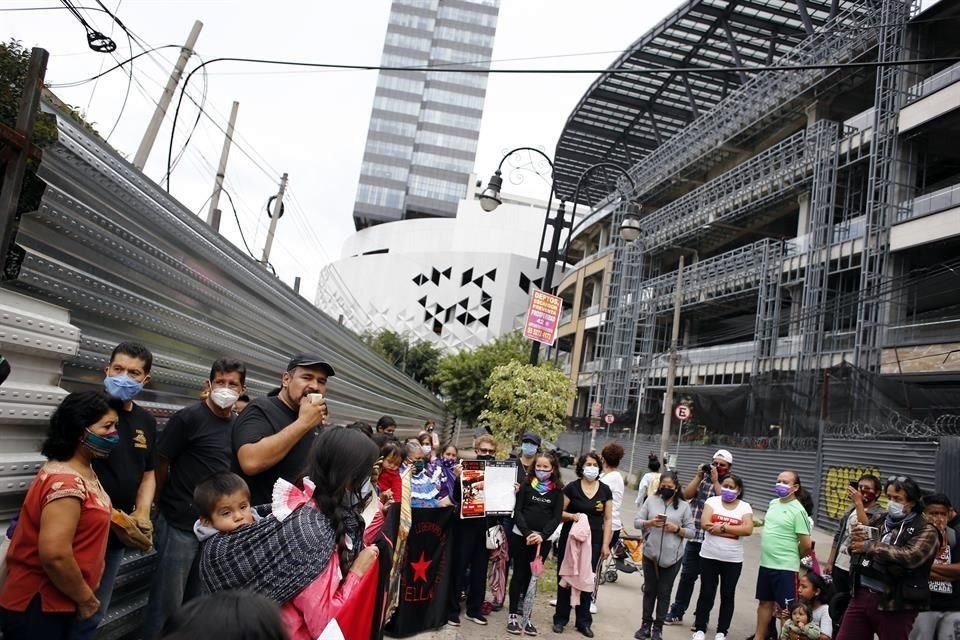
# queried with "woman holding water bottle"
point(890, 566)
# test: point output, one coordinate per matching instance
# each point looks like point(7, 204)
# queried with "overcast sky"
point(312, 124)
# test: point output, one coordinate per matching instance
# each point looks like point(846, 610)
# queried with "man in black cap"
point(273, 436)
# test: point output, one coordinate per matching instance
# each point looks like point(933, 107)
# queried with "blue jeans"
point(87, 629)
point(172, 584)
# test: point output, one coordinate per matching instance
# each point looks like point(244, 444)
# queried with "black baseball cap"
point(530, 436)
point(310, 361)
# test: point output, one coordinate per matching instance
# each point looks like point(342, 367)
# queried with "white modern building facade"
point(458, 282)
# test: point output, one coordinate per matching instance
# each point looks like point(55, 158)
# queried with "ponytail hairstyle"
point(803, 496)
point(341, 462)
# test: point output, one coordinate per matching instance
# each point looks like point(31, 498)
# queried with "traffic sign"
point(609, 418)
point(682, 412)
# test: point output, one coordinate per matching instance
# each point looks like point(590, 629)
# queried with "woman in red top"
point(55, 559)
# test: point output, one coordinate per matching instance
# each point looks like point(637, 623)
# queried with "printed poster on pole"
point(543, 317)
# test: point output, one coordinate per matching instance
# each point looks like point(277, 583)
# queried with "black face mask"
point(667, 494)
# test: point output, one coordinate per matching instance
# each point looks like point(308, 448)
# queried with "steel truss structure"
point(851, 181)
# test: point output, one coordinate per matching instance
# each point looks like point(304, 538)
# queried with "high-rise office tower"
point(422, 139)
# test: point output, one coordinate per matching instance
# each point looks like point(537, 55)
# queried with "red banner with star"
point(425, 574)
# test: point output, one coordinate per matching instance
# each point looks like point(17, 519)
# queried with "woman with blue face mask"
point(55, 560)
point(890, 566)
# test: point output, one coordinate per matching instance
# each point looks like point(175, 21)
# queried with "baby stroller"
point(626, 557)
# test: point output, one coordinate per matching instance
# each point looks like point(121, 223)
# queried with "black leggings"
point(521, 557)
point(712, 574)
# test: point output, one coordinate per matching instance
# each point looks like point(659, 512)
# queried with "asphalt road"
point(620, 603)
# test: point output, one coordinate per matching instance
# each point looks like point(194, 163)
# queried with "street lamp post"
point(490, 200)
point(629, 228)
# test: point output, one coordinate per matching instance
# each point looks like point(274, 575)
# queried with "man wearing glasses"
point(470, 552)
point(892, 558)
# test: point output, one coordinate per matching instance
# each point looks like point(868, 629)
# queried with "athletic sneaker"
point(720, 636)
point(513, 625)
point(454, 621)
point(553, 602)
point(479, 618)
point(699, 635)
point(529, 629)
point(670, 618)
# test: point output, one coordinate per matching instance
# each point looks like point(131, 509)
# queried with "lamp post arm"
point(576, 197)
point(533, 149)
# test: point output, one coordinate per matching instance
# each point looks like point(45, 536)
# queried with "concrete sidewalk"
point(620, 603)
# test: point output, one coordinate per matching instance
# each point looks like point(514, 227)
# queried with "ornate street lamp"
point(490, 199)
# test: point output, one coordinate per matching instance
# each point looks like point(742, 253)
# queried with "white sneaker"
point(553, 602)
point(720, 636)
point(593, 608)
point(699, 635)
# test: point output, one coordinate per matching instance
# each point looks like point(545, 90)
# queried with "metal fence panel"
point(948, 475)
point(845, 460)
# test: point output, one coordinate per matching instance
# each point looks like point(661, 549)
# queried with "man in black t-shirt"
point(196, 444)
point(942, 621)
point(273, 436)
point(127, 475)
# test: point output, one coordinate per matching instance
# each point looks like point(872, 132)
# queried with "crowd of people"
point(264, 516)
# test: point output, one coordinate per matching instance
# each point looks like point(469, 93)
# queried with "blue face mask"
point(122, 387)
point(528, 449)
point(99, 446)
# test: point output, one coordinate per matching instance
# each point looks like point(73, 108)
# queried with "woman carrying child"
point(309, 555)
point(667, 523)
point(536, 516)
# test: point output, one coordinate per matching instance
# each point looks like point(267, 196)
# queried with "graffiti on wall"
point(835, 484)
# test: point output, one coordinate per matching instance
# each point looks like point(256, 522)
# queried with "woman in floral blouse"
point(55, 559)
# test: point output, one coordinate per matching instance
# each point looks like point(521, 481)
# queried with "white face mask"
point(426, 448)
point(591, 473)
point(224, 397)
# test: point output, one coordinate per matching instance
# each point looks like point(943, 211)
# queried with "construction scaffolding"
point(816, 295)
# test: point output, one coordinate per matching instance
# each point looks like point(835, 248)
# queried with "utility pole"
point(150, 136)
point(672, 365)
point(222, 170)
point(274, 217)
point(636, 422)
point(22, 138)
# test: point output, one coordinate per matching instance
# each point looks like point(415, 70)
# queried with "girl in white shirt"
point(726, 518)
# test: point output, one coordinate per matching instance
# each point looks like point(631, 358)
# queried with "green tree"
point(14, 63)
point(522, 398)
point(417, 358)
point(464, 377)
